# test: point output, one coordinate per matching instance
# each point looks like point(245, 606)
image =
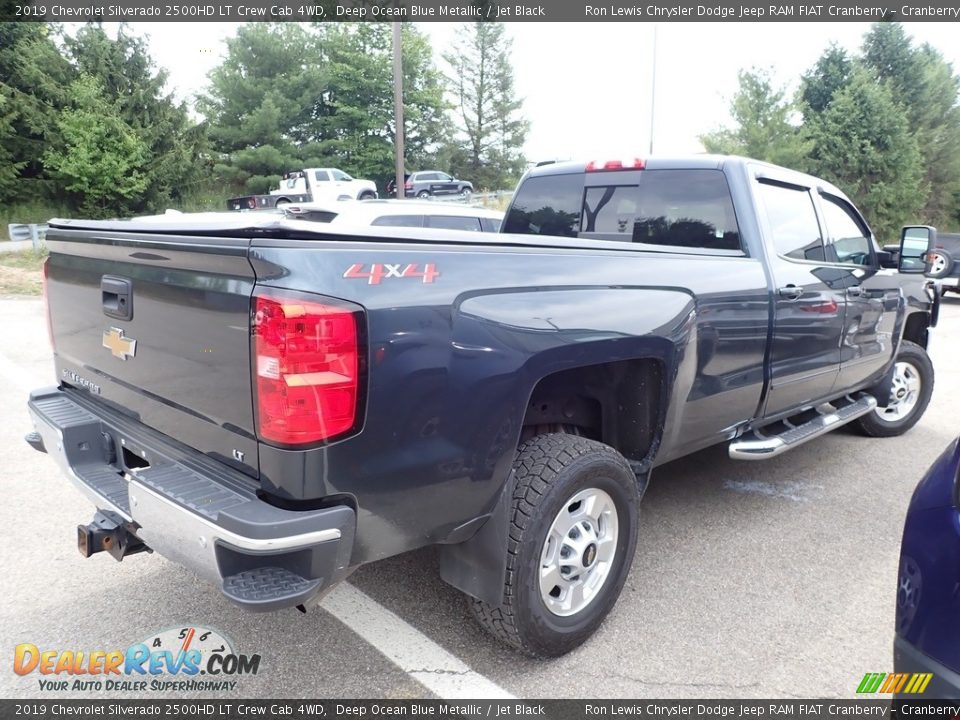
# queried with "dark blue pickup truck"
point(273, 403)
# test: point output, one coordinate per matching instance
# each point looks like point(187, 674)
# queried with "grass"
point(20, 272)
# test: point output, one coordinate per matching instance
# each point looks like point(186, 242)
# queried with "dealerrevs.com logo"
point(175, 660)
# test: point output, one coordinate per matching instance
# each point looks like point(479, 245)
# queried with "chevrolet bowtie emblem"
point(118, 345)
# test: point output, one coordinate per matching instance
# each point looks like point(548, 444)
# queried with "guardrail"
point(34, 232)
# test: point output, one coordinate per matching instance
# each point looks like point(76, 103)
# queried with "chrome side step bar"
point(763, 443)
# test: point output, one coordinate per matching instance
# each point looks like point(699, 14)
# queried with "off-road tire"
point(871, 425)
point(549, 470)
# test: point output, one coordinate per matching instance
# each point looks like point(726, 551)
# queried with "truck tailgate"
point(157, 327)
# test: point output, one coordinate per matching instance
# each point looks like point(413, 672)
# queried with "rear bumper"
point(945, 683)
point(191, 509)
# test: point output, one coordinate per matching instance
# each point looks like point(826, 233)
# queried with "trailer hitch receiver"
point(108, 532)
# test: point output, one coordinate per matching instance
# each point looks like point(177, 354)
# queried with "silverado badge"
point(116, 343)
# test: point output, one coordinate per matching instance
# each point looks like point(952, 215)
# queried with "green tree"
point(492, 129)
point(925, 85)
point(137, 89)
point(831, 72)
point(289, 96)
point(356, 119)
point(764, 127)
point(34, 82)
point(102, 162)
point(10, 167)
point(864, 145)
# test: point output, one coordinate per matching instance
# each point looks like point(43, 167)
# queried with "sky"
point(587, 86)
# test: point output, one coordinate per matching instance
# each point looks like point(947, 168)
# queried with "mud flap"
point(478, 565)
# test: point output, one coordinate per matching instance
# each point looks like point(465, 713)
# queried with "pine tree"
point(492, 129)
point(102, 161)
point(763, 129)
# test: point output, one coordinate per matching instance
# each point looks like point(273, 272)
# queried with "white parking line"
point(409, 649)
point(406, 647)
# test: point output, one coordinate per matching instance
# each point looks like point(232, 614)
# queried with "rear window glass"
point(547, 205)
point(399, 220)
point(453, 222)
point(679, 208)
point(312, 215)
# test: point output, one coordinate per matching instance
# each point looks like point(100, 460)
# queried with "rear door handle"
point(790, 292)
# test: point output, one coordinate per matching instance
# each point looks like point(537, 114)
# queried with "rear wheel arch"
point(618, 403)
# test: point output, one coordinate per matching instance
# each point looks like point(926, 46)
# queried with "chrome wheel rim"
point(579, 552)
point(938, 265)
point(904, 393)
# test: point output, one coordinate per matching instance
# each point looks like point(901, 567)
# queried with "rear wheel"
point(906, 398)
point(572, 539)
point(423, 194)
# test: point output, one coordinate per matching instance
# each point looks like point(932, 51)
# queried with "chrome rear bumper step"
point(760, 445)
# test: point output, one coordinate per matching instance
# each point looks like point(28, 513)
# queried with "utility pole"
point(653, 86)
point(398, 106)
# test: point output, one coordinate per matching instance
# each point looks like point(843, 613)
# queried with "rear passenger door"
point(445, 184)
point(427, 181)
point(809, 297)
point(322, 186)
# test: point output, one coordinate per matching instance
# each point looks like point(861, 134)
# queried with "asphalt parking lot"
point(772, 579)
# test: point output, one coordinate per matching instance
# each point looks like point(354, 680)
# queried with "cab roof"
point(703, 161)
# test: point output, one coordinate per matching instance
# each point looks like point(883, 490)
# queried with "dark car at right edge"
point(928, 588)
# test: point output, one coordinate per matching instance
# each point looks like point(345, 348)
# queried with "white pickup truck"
point(308, 185)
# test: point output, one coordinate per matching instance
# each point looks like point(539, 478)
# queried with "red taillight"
point(408, 185)
point(307, 365)
point(46, 301)
point(635, 164)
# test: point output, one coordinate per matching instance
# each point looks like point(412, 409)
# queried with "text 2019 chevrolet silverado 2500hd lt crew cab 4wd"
point(273, 402)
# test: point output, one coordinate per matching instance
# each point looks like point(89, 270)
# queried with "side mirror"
point(915, 242)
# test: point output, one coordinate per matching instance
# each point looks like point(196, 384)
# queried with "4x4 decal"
point(385, 271)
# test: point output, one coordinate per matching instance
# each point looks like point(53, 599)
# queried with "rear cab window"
point(399, 221)
point(683, 208)
point(454, 222)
